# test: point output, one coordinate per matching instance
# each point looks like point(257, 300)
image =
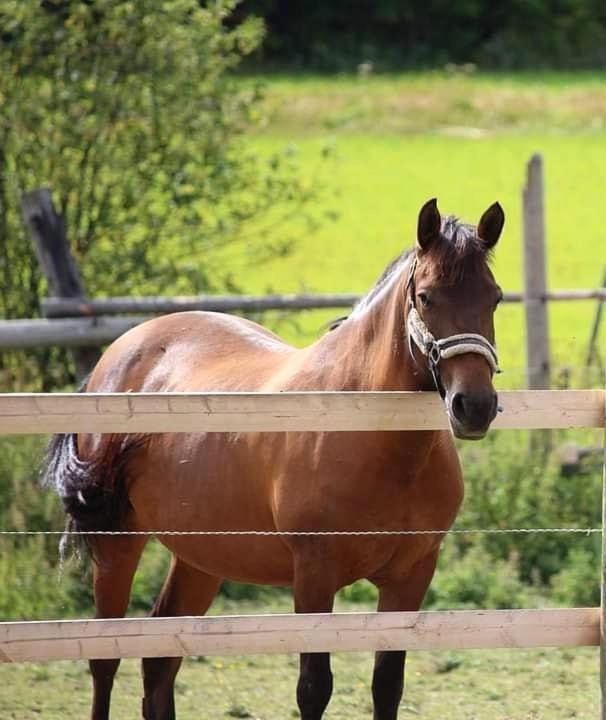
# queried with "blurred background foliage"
point(396, 34)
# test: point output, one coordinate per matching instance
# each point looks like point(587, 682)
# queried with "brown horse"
point(293, 481)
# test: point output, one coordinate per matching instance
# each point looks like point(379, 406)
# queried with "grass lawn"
point(396, 141)
point(549, 684)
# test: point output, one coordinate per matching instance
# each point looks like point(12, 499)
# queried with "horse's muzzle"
point(471, 413)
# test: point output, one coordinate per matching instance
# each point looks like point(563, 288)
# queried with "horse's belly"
point(257, 560)
point(204, 490)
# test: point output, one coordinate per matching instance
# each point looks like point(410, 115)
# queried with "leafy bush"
point(474, 579)
point(130, 113)
point(578, 582)
point(244, 592)
point(149, 578)
point(31, 584)
point(510, 485)
point(360, 592)
point(340, 35)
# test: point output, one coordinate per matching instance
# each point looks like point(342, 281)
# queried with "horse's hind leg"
point(187, 591)
point(115, 562)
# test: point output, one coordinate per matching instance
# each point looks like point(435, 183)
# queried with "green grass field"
point(500, 685)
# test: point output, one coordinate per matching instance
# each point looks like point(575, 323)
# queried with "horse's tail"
point(94, 490)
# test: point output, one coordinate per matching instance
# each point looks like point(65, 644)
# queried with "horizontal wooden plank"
point(180, 637)
point(536, 409)
point(93, 323)
point(71, 332)
point(74, 307)
point(77, 307)
point(277, 412)
point(566, 295)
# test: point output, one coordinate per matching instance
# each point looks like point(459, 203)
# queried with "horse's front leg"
point(314, 592)
point(401, 594)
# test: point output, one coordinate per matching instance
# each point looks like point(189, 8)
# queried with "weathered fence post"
point(603, 584)
point(47, 229)
point(593, 353)
point(535, 283)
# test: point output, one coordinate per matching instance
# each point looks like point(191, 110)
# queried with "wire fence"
point(303, 533)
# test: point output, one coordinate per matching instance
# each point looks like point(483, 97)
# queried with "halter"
point(444, 348)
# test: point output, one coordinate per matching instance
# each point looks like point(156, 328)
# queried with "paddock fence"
point(37, 641)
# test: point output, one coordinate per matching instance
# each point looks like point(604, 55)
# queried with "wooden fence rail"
point(241, 635)
point(31, 413)
point(79, 323)
point(65, 307)
point(56, 307)
point(68, 332)
point(82, 323)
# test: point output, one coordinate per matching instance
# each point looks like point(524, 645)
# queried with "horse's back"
point(197, 351)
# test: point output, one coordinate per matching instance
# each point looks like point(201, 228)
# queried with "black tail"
point(93, 491)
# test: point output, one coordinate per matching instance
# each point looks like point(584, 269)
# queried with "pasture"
point(502, 685)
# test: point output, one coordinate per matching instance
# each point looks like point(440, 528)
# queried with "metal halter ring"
point(434, 353)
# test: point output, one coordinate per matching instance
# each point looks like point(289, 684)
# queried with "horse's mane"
point(458, 251)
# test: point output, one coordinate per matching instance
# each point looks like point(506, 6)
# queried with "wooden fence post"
point(535, 283)
point(47, 229)
point(593, 353)
point(603, 585)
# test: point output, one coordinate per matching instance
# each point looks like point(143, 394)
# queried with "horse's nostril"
point(474, 408)
point(458, 406)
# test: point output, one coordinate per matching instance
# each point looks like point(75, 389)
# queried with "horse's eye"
point(423, 299)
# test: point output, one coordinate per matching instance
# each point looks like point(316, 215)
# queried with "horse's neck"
point(369, 350)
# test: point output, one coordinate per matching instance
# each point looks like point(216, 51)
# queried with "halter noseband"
point(444, 348)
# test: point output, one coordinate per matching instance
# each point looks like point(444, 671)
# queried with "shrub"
point(360, 592)
point(340, 35)
point(578, 582)
point(31, 584)
point(130, 113)
point(508, 485)
point(474, 579)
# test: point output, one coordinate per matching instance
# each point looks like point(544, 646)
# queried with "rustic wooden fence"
point(307, 411)
point(72, 320)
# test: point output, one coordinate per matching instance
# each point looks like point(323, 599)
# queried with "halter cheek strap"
point(444, 348)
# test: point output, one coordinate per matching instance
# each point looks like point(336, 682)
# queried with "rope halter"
point(444, 348)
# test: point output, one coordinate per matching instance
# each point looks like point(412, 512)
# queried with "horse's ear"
point(429, 224)
point(491, 225)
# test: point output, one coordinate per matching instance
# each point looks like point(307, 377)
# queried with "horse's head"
point(452, 296)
